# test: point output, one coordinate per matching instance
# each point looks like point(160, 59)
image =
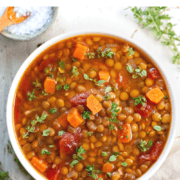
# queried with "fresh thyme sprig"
point(159, 24)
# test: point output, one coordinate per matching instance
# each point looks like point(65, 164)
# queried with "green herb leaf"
point(109, 174)
point(108, 89)
point(74, 71)
point(165, 97)
point(74, 162)
point(37, 84)
point(51, 146)
point(114, 111)
point(53, 110)
point(86, 76)
point(140, 100)
point(89, 133)
point(58, 87)
point(60, 133)
point(131, 52)
point(66, 86)
point(124, 164)
point(157, 128)
point(46, 132)
point(86, 115)
point(112, 158)
point(98, 83)
point(104, 153)
point(90, 55)
point(45, 151)
point(107, 97)
point(111, 127)
point(92, 172)
point(73, 59)
point(31, 96)
point(62, 64)
point(129, 69)
point(158, 22)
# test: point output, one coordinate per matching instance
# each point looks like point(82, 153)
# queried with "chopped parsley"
point(46, 132)
point(107, 97)
point(37, 84)
point(131, 52)
point(114, 156)
point(92, 172)
point(124, 164)
point(45, 151)
point(114, 111)
point(111, 127)
point(73, 59)
point(74, 71)
point(53, 110)
point(140, 100)
point(108, 89)
point(144, 146)
point(86, 115)
point(58, 87)
point(78, 157)
point(100, 82)
point(89, 133)
point(120, 127)
point(31, 96)
point(109, 174)
point(104, 153)
point(44, 93)
point(33, 123)
point(50, 75)
point(66, 86)
point(157, 128)
point(136, 72)
point(60, 133)
point(90, 55)
point(51, 146)
point(62, 64)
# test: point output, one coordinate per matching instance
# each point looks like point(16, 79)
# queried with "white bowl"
point(10, 103)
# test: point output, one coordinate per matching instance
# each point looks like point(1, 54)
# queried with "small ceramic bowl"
point(27, 62)
point(32, 36)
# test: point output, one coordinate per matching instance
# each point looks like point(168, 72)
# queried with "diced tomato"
point(144, 111)
point(80, 99)
point(122, 80)
point(45, 63)
point(68, 143)
point(16, 110)
point(154, 153)
point(144, 157)
point(156, 150)
point(125, 133)
point(153, 73)
point(53, 174)
point(26, 86)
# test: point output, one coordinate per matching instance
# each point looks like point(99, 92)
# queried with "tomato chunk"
point(153, 73)
point(45, 63)
point(122, 80)
point(144, 157)
point(156, 150)
point(144, 111)
point(125, 133)
point(80, 99)
point(53, 174)
point(16, 110)
point(68, 143)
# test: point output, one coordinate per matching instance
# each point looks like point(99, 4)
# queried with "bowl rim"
point(9, 109)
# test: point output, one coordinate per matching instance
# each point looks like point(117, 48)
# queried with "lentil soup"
point(92, 107)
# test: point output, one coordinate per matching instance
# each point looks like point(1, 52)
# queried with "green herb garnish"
point(62, 64)
point(45, 151)
point(160, 26)
point(53, 110)
point(51, 146)
point(60, 133)
point(107, 97)
point(66, 86)
point(165, 97)
point(157, 128)
point(74, 71)
point(131, 52)
point(31, 96)
point(86, 115)
point(108, 89)
point(124, 164)
point(98, 83)
point(109, 174)
point(144, 146)
point(37, 84)
point(136, 72)
point(140, 100)
point(114, 111)
point(114, 156)
point(90, 55)
point(33, 123)
point(73, 59)
point(104, 153)
point(89, 133)
point(58, 87)
point(92, 172)
point(111, 127)
point(46, 132)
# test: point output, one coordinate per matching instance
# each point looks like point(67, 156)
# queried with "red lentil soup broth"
point(92, 107)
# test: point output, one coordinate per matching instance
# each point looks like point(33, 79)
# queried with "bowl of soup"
point(91, 105)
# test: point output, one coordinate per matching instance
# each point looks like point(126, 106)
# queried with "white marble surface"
point(101, 17)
